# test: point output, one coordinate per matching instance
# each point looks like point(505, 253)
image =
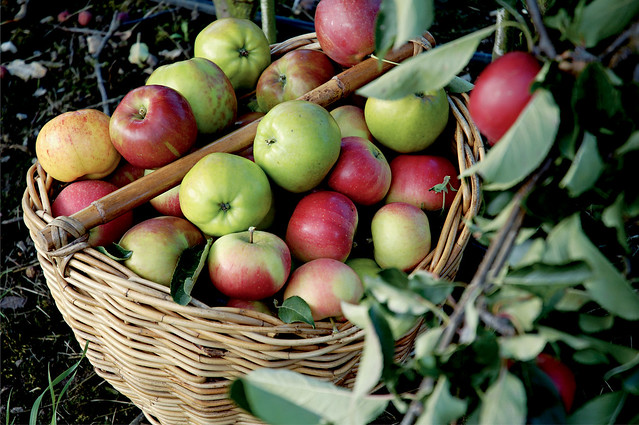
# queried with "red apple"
point(294, 74)
point(124, 174)
point(63, 16)
point(561, 376)
point(324, 283)
point(416, 178)
point(401, 236)
point(361, 172)
point(152, 126)
point(351, 121)
point(156, 245)
point(346, 29)
point(322, 225)
point(501, 92)
point(79, 195)
point(84, 18)
point(249, 265)
point(167, 203)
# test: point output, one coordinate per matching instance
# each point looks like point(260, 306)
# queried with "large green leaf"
point(281, 396)
point(441, 407)
point(603, 409)
point(524, 146)
point(604, 18)
point(585, 168)
point(568, 242)
point(544, 274)
point(504, 402)
point(427, 71)
point(589, 24)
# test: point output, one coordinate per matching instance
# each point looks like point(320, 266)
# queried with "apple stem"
point(142, 112)
point(251, 230)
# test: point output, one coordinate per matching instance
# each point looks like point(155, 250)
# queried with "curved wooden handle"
point(145, 188)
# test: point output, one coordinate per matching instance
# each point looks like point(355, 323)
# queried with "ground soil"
point(36, 343)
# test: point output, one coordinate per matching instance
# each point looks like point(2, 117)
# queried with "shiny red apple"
point(361, 172)
point(322, 225)
point(428, 182)
point(152, 126)
point(346, 29)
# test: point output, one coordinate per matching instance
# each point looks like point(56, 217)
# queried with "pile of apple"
point(319, 199)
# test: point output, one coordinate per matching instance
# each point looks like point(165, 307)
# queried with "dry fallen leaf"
point(26, 71)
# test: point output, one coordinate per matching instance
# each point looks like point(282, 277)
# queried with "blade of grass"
point(33, 418)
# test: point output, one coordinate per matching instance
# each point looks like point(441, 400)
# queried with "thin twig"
point(545, 44)
point(115, 22)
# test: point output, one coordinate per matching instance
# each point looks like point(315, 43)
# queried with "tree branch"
point(545, 45)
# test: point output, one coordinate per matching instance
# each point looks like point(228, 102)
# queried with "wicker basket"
point(176, 362)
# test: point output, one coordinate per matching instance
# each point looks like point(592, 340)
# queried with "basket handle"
point(56, 235)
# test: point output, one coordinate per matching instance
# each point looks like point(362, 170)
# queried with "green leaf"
point(590, 356)
point(524, 146)
point(115, 252)
point(606, 286)
point(573, 300)
point(390, 287)
point(592, 324)
point(604, 18)
point(632, 144)
point(521, 347)
point(414, 17)
point(612, 217)
point(425, 346)
point(504, 402)
point(385, 28)
point(427, 71)
point(441, 407)
point(520, 305)
point(377, 354)
point(459, 85)
point(188, 269)
point(434, 290)
point(620, 353)
point(596, 102)
point(585, 168)
point(545, 274)
point(281, 396)
point(603, 409)
point(295, 309)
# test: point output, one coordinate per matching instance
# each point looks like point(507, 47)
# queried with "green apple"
point(238, 46)
point(207, 89)
point(156, 245)
point(364, 267)
point(401, 236)
point(296, 144)
point(409, 124)
point(225, 193)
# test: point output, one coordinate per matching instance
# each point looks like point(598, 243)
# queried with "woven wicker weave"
point(175, 362)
